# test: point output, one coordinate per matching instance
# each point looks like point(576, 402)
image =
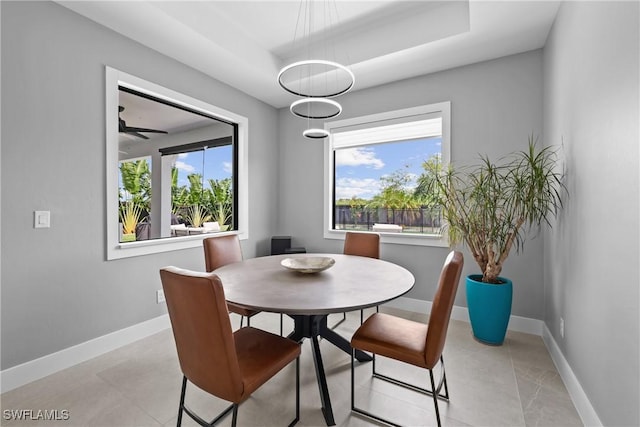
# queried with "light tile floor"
point(515, 384)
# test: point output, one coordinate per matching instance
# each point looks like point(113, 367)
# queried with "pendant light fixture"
point(315, 108)
point(311, 78)
point(319, 77)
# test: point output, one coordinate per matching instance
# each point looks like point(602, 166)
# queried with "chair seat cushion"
point(261, 355)
point(392, 337)
point(242, 311)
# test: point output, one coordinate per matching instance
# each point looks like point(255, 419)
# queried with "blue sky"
point(358, 170)
point(218, 164)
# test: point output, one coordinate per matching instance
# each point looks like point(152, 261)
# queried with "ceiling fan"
point(135, 131)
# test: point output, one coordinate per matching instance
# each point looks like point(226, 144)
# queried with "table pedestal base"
point(312, 327)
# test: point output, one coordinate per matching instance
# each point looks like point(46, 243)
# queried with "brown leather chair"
point(412, 342)
point(229, 365)
point(361, 244)
point(223, 250)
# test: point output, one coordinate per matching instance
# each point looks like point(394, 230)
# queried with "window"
point(202, 186)
point(176, 169)
point(375, 175)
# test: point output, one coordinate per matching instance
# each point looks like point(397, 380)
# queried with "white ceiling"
point(245, 43)
point(141, 112)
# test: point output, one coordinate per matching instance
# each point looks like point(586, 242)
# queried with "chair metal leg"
point(242, 320)
point(344, 317)
point(297, 418)
point(400, 383)
point(222, 415)
point(434, 392)
point(194, 416)
point(232, 408)
point(357, 410)
point(184, 389)
point(362, 314)
point(235, 411)
point(444, 379)
point(435, 397)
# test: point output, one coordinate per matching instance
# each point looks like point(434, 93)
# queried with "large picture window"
point(376, 175)
point(176, 169)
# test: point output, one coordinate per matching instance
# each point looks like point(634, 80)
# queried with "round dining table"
point(351, 283)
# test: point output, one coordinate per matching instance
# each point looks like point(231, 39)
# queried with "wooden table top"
point(353, 283)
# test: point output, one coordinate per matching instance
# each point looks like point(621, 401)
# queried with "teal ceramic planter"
point(489, 308)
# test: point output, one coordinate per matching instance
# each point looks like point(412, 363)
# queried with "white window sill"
point(398, 238)
point(152, 246)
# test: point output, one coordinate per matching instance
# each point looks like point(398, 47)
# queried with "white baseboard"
point(578, 396)
point(516, 323)
point(27, 372)
point(39, 368)
point(33, 370)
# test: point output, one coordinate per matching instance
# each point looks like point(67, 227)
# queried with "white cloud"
point(365, 188)
point(413, 181)
point(227, 167)
point(182, 155)
point(358, 156)
point(184, 167)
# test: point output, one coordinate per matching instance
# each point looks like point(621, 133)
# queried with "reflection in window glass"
point(176, 170)
point(202, 190)
point(134, 191)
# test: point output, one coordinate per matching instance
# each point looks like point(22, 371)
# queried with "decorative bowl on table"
point(308, 264)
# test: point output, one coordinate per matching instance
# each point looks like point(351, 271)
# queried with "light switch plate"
point(41, 219)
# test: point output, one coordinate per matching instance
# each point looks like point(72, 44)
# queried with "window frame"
point(115, 250)
point(441, 108)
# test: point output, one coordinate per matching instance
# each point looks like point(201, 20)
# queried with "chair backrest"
point(222, 250)
point(202, 331)
point(442, 306)
point(362, 244)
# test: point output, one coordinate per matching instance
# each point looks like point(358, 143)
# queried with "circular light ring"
point(315, 133)
point(311, 62)
point(318, 101)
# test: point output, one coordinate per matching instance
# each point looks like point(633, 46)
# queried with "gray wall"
point(591, 88)
point(495, 105)
point(57, 288)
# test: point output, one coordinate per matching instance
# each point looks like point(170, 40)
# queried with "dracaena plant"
point(491, 207)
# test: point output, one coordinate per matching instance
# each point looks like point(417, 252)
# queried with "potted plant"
point(130, 216)
point(222, 215)
point(219, 198)
point(197, 215)
point(491, 207)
